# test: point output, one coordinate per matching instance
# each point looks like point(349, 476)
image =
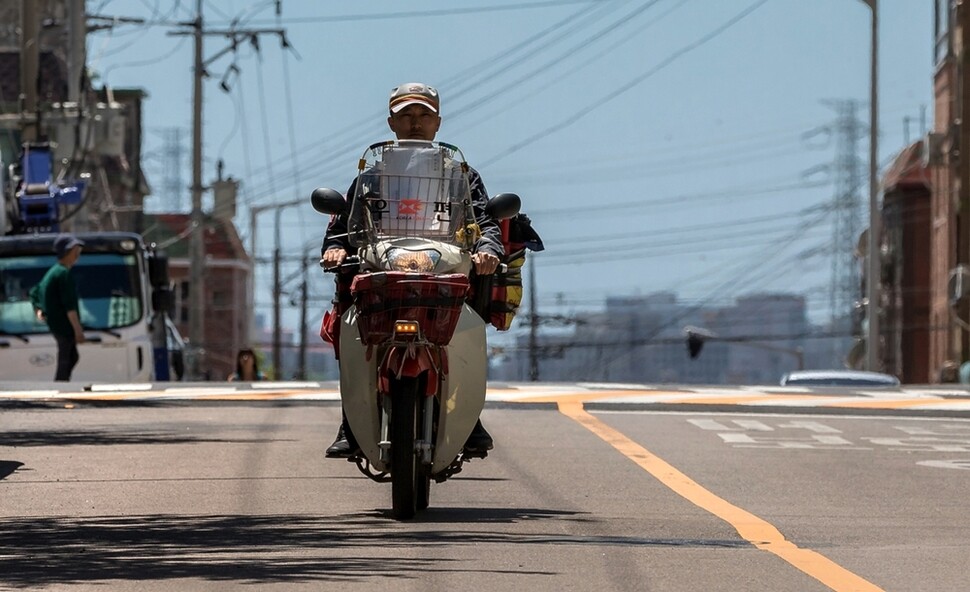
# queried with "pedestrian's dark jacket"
point(56, 295)
point(490, 241)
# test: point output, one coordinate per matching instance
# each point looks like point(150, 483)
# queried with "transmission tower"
point(847, 205)
point(173, 155)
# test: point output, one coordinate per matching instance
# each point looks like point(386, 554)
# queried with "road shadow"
point(458, 515)
point(112, 438)
point(7, 467)
point(280, 548)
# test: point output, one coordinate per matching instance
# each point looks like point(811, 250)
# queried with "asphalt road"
point(228, 495)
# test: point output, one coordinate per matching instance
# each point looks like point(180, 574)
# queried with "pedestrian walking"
point(55, 302)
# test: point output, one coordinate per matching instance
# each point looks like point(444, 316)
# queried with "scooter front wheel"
point(422, 482)
point(406, 468)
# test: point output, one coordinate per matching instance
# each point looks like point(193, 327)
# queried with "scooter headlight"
point(406, 260)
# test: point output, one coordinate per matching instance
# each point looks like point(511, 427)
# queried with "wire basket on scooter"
point(434, 301)
point(412, 189)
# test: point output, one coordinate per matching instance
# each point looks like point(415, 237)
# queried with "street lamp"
point(873, 273)
point(277, 290)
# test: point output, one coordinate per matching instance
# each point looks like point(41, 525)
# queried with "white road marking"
point(812, 426)
point(929, 444)
point(115, 388)
point(753, 424)
point(946, 464)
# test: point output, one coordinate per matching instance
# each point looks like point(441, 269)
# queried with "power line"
point(592, 106)
point(727, 286)
point(582, 45)
point(476, 75)
point(441, 12)
point(670, 200)
point(728, 228)
point(608, 51)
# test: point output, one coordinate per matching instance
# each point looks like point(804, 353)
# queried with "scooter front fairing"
point(461, 394)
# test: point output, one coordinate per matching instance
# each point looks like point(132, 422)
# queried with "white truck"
point(123, 289)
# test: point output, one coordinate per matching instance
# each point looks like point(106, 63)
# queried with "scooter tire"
point(422, 484)
point(406, 469)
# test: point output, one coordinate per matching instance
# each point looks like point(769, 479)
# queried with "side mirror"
point(158, 268)
point(503, 206)
point(328, 201)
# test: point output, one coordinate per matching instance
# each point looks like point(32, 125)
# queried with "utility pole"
point(77, 35)
point(533, 327)
point(235, 36)
point(961, 178)
point(304, 296)
point(29, 68)
point(277, 287)
point(277, 313)
point(197, 238)
point(256, 210)
point(874, 260)
point(277, 284)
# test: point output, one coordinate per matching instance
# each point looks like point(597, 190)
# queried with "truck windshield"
point(109, 291)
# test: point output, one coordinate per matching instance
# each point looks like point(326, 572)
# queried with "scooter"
point(412, 351)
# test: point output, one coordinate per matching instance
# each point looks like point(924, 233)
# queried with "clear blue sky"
point(657, 144)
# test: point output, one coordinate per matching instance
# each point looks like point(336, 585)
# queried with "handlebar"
point(350, 263)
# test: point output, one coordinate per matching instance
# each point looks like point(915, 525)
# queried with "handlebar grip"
point(351, 262)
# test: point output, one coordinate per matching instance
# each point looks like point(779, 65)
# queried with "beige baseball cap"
point(413, 93)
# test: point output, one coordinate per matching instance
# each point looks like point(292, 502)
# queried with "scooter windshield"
point(411, 189)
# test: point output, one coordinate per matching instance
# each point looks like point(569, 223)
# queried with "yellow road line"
point(592, 396)
point(675, 397)
point(758, 532)
point(265, 395)
point(682, 398)
point(735, 400)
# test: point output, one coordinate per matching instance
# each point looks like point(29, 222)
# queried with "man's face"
point(72, 256)
point(415, 122)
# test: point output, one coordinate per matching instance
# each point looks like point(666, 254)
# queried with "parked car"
point(839, 378)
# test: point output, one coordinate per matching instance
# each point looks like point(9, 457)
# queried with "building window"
point(220, 299)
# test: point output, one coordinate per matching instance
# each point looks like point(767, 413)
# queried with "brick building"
point(227, 270)
point(907, 232)
point(926, 221)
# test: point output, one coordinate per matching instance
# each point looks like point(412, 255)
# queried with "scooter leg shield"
point(463, 391)
point(358, 390)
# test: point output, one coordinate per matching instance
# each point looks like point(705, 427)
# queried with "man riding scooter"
point(414, 115)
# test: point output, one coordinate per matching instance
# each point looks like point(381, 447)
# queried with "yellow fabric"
point(468, 235)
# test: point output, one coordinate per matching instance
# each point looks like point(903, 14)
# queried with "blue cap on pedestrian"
point(64, 243)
